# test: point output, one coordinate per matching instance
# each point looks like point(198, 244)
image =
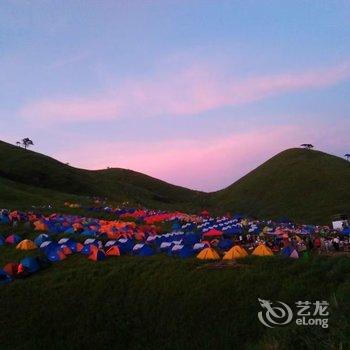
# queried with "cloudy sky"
point(194, 92)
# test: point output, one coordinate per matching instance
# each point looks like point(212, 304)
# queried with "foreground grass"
point(166, 303)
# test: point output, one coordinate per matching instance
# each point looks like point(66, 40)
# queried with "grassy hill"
point(25, 167)
point(308, 186)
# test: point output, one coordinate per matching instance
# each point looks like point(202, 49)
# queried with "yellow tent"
point(235, 252)
point(208, 254)
point(262, 250)
point(26, 245)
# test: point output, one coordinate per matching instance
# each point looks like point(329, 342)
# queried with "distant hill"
point(38, 171)
point(309, 186)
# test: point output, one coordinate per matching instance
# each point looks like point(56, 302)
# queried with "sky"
point(193, 92)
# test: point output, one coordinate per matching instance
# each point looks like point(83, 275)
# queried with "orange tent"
point(97, 255)
point(208, 254)
point(236, 252)
point(66, 250)
point(40, 226)
point(262, 250)
point(113, 251)
point(11, 269)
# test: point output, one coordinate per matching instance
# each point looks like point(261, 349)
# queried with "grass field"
point(167, 303)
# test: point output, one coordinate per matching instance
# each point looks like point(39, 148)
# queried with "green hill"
point(25, 167)
point(308, 186)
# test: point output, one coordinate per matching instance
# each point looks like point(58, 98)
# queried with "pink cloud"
point(206, 164)
point(209, 163)
point(188, 92)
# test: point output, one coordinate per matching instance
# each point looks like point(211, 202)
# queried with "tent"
point(212, 233)
point(48, 245)
point(26, 244)
point(55, 254)
point(113, 251)
point(346, 231)
point(30, 264)
point(87, 248)
point(75, 247)
point(13, 239)
point(145, 251)
point(208, 254)
point(97, 254)
point(236, 252)
point(290, 252)
point(41, 239)
point(200, 246)
point(66, 250)
point(4, 277)
point(125, 246)
point(11, 269)
point(2, 240)
point(233, 231)
point(262, 250)
point(110, 244)
point(225, 244)
point(185, 252)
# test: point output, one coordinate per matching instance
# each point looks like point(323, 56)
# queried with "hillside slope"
point(37, 170)
point(308, 186)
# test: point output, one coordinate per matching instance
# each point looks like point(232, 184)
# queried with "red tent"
point(212, 233)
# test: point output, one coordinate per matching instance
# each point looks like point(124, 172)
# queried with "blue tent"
point(185, 252)
point(126, 247)
point(290, 252)
point(287, 251)
point(69, 230)
point(54, 254)
point(4, 219)
point(4, 277)
point(232, 231)
point(88, 232)
point(191, 239)
point(30, 264)
point(72, 245)
point(146, 251)
point(346, 231)
point(41, 239)
point(2, 240)
point(86, 249)
point(50, 245)
point(225, 244)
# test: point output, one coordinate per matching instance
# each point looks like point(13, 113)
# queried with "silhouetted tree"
point(27, 142)
point(18, 144)
point(307, 146)
point(347, 156)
